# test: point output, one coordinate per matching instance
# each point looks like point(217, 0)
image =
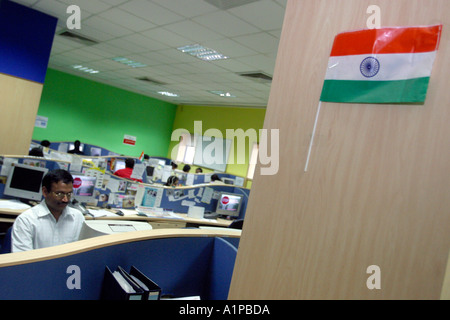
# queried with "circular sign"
point(369, 67)
point(77, 183)
point(225, 200)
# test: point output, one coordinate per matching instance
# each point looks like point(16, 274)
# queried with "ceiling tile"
point(151, 12)
point(88, 6)
point(193, 32)
point(265, 14)
point(225, 24)
point(126, 20)
point(187, 8)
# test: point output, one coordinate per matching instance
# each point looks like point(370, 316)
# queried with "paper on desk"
point(96, 213)
point(6, 167)
point(13, 204)
point(138, 171)
point(158, 212)
point(128, 212)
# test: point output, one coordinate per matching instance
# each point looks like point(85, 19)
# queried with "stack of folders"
point(121, 285)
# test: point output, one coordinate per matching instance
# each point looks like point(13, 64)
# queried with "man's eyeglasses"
point(61, 195)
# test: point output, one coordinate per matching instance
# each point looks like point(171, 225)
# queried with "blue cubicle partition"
point(87, 150)
point(183, 266)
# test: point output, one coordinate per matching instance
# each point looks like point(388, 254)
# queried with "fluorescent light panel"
point(223, 94)
point(203, 53)
point(79, 67)
point(169, 94)
point(128, 62)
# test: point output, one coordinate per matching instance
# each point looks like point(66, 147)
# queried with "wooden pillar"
point(377, 187)
point(26, 37)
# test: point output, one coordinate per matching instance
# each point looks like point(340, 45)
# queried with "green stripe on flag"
point(353, 91)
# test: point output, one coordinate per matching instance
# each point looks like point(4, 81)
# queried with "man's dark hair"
point(36, 152)
point(129, 163)
point(56, 176)
point(186, 168)
point(45, 143)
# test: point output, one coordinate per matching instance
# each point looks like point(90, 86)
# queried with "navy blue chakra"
point(369, 67)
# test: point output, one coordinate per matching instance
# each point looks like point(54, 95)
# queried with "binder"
point(151, 290)
point(119, 286)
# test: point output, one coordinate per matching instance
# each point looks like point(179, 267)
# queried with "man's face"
point(57, 198)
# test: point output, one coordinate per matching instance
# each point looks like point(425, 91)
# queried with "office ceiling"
point(150, 31)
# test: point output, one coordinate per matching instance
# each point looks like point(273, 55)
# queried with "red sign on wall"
point(130, 140)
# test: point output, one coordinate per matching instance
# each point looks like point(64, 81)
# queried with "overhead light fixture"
point(169, 94)
point(128, 62)
point(202, 53)
point(81, 68)
point(223, 94)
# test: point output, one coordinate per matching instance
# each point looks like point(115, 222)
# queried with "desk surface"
point(13, 213)
point(182, 218)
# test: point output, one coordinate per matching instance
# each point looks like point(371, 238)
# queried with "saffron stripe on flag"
point(399, 91)
point(395, 40)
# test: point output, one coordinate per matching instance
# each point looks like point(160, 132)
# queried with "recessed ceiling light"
point(128, 62)
point(223, 94)
point(202, 53)
point(169, 94)
point(81, 68)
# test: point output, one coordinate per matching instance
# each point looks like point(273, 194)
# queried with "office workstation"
point(360, 186)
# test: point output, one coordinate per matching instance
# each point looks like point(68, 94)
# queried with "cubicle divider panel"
point(180, 199)
point(221, 269)
point(181, 266)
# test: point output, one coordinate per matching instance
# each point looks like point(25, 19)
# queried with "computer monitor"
point(119, 164)
point(25, 182)
point(229, 204)
point(96, 152)
point(95, 228)
point(72, 146)
point(83, 188)
point(227, 180)
point(150, 170)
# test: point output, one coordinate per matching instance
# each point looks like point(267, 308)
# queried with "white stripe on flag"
point(398, 66)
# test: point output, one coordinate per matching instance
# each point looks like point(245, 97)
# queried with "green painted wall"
point(101, 115)
point(221, 118)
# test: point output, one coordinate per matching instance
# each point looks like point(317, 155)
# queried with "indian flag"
point(387, 65)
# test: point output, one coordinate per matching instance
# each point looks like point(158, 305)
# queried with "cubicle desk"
point(9, 215)
point(163, 222)
point(182, 262)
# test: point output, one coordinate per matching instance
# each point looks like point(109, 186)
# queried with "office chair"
point(6, 245)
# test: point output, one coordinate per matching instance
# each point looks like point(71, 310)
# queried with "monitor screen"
point(227, 180)
point(72, 146)
point(229, 204)
point(84, 188)
point(25, 182)
point(96, 152)
point(150, 170)
point(119, 164)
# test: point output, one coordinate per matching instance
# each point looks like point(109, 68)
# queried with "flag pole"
point(312, 136)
